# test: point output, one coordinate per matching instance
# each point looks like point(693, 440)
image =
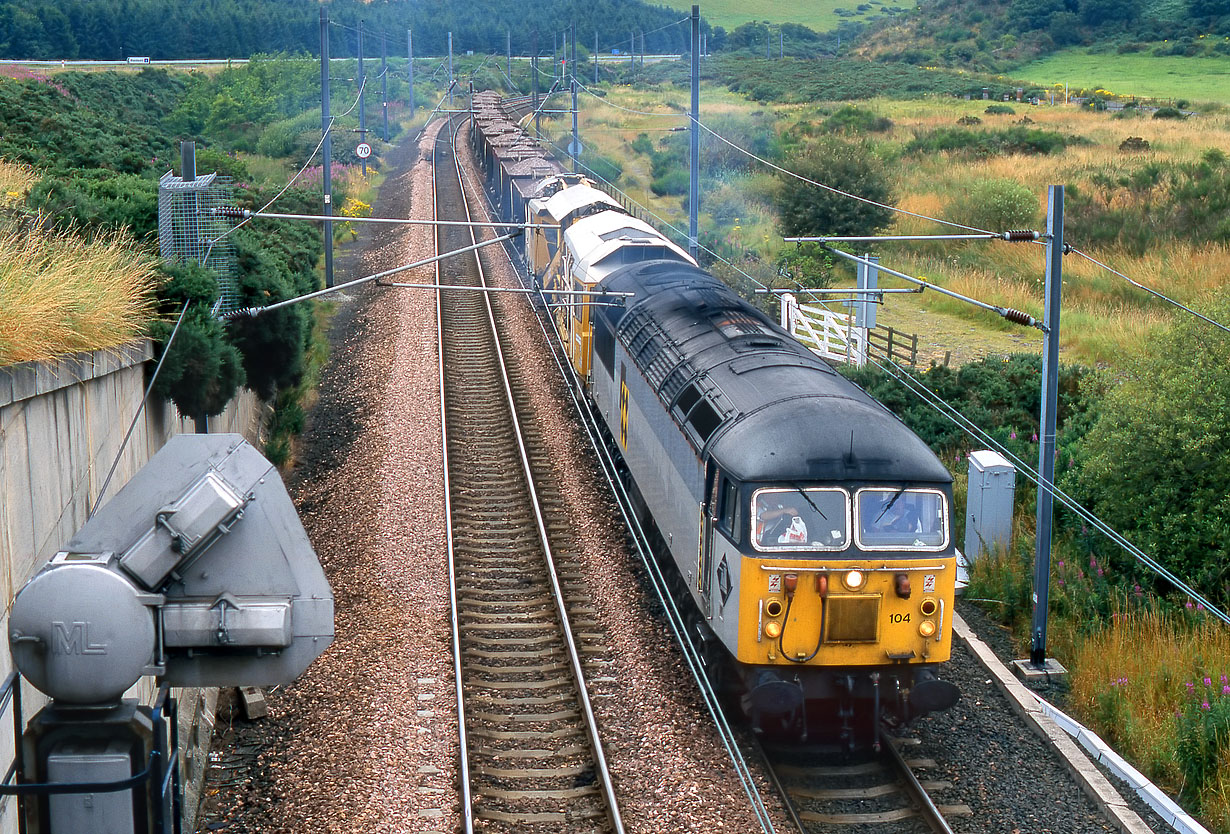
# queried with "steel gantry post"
point(326, 146)
point(1047, 419)
point(574, 150)
point(384, 88)
point(694, 144)
point(362, 89)
point(410, 68)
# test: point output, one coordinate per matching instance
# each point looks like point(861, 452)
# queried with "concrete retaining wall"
point(61, 426)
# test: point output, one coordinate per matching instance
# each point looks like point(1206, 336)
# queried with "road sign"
point(575, 148)
point(363, 151)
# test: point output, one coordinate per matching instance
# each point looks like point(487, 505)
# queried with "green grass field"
point(814, 14)
point(1140, 74)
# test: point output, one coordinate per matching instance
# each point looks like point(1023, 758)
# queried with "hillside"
point(818, 15)
point(1000, 35)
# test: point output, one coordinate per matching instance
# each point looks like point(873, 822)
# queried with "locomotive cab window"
point(902, 519)
point(800, 519)
point(729, 516)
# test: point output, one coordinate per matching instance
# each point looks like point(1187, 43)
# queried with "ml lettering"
point(74, 638)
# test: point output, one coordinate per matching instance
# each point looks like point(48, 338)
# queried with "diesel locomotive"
point(810, 531)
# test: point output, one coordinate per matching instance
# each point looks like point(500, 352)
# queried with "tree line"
point(114, 30)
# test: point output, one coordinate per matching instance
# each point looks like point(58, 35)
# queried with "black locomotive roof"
point(762, 405)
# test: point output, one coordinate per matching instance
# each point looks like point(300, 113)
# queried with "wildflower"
point(1188, 605)
point(1225, 690)
point(1223, 680)
point(1208, 682)
point(1191, 687)
point(1205, 705)
point(1012, 435)
point(1033, 438)
point(1061, 563)
point(1200, 606)
point(1099, 571)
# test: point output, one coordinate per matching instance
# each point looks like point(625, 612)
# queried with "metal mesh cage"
point(188, 232)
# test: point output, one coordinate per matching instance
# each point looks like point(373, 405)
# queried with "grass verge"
point(61, 294)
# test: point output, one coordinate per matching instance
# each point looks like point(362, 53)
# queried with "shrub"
point(999, 110)
point(1153, 464)
point(672, 182)
point(642, 144)
point(848, 166)
point(1203, 736)
point(603, 167)
point(1168, 113)
point(1134, 144)
point(995, 205)
point(202, 368)
point(969, 120)
point(852, 119)
point(1016, 139)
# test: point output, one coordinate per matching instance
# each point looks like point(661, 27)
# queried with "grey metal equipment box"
point(91, 761)
point(988, 510)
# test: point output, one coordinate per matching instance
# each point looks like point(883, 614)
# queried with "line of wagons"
point(809, 531)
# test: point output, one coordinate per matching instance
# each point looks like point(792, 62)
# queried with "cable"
point(1150, 290)
point(166, 350)
point(833, 190)
point(629, 110)
point(971, 428)
point(802, 178)
point(326, 132)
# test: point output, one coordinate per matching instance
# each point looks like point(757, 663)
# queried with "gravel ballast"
point(366, 740)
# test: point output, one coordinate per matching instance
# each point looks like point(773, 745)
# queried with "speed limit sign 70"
point(363, 151)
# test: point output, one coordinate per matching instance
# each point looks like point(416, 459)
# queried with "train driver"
point(780, 525)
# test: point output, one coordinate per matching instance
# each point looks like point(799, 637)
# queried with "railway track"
point(531, 753)
point(826, 792)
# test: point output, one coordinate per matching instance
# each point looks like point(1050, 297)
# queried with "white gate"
point(832, 335)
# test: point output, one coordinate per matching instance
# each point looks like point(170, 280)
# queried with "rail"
point(641, 539)
point(509, 407)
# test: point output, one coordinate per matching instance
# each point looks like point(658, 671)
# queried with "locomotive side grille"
point(674, 383)
point(853, 619)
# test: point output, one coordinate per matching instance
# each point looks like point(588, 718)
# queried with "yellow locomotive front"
point(846, 594)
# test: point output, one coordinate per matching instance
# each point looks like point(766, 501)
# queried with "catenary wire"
point(971, 428)
point(1150, 290)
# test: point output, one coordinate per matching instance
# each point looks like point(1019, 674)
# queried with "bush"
point(202, 369)
point(999, 110)
point(852, 119)
point(1016, 139)
point(995, 205)
point(1153, 466)
point(1203, 737)
point(847, 166)
point(603, 167)
point(672, 182)
point(1168, 113)
point(1003, 395)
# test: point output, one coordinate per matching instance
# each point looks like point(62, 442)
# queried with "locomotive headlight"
point(926, 628)
point(927, 607)
point(773, 629)
point(853, 580)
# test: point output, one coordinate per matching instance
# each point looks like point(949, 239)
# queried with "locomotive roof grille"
point(761, 404)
